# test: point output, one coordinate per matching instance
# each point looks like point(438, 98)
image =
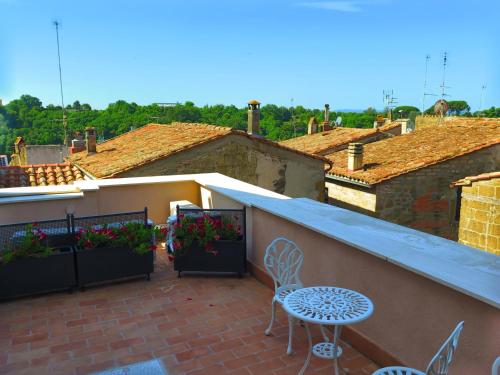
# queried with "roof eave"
point(349, 180)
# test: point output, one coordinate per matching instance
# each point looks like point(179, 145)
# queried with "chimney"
point(90, 139)
point(253, 117)
point(326, 123)
point(354, 157)
point(380, 121)
point(312, 126)
point(77, 144)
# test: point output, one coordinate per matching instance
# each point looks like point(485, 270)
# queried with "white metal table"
point(327, 306)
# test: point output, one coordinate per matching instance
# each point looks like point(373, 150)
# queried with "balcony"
point(421, 286)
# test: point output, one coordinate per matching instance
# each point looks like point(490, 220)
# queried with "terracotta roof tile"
point(395, 156)
point(467, 181)
point(39, 175)
point(321, 143)
point(152, 142)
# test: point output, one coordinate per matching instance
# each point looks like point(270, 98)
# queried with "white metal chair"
point(439, 364)
point(495, 369)
point(283, 261)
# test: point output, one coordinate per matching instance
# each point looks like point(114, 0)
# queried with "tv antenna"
point(389, 101)
point(427, 59)
point(483, 88)
point(162, 105)
point(443, 86)
point(64, 118)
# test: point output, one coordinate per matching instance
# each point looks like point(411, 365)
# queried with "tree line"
point(39, 124)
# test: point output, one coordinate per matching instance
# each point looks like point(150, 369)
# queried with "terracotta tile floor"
point(196, 325)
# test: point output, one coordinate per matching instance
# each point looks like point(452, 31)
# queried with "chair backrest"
point(283, 261)
point(440, 364)
point(495, 369)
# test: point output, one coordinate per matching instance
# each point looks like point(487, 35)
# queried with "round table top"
point(328, 305)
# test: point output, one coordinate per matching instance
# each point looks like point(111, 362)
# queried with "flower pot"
point(231, 257)
point(27, 276)
point(110, 263)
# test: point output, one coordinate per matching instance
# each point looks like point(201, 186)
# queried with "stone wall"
point(480, 216)
point(432, 120)
point(423, 199)
point(428, 120)
point(251, 161)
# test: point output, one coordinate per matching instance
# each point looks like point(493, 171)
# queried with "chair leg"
point(291, 323)
point(273, 316)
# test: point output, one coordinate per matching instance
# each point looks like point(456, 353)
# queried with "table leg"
point(336, 337)
point(309, 351)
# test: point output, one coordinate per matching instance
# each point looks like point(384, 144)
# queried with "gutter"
point(348, 180)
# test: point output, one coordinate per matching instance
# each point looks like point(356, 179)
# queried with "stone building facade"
point(181, 148)
point(423, 199)
point(479, 224)
point(258, 163)
point(405, 180)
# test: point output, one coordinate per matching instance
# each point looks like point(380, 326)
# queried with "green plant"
point(32, 245)
point(204, 230)
point(136, 236)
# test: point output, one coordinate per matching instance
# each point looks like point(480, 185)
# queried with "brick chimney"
point(90, 140)
point(355, 157)
point(312, 126)
point(253, 117)
point(326, 123)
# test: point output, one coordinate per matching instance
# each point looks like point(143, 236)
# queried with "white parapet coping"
point(462, 268)
point(472, 272)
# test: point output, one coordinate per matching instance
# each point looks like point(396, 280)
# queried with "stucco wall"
point(257, 163)
point(413, 314)
point(108, 199)
point(423, 199)
point(480, 216)
point(354, 198)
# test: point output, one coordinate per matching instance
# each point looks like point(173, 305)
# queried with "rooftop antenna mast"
point(64, 118)
point(293, 119)
point(483, 88)
point(390, 101)
point(427, 59)
point(443, 86)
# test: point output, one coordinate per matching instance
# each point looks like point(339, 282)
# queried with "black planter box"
point(27, 276)
point(110, 263)
point(231, 257)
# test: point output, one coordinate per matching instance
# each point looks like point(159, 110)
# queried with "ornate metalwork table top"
point(328, 305)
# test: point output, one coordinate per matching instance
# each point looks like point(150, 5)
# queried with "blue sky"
point(228, 51)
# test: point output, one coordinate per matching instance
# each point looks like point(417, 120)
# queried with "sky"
point(284, 52)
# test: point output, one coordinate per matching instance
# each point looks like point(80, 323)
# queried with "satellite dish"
point(441, 107)
point(338, 121)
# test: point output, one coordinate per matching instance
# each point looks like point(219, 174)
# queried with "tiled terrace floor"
point(196, 325)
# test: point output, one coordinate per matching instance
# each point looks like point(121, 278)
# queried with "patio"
point(195, 325)
point(216, 324)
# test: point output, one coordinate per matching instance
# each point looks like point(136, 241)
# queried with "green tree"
point(458, 107)
point(405, 111)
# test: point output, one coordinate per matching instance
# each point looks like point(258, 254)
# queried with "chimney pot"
point(355, 157)
point(253, 117)
point(90, 140)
